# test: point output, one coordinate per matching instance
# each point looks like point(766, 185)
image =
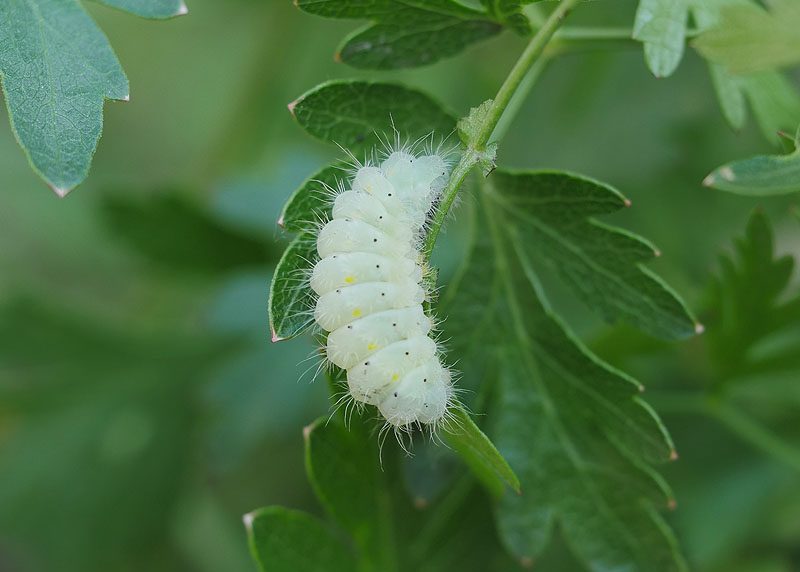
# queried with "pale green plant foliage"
point(577, 438)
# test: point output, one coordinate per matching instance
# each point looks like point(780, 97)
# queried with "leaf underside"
point(149, 8)
point(57, 69)
point(763, 175)
point(661, 26)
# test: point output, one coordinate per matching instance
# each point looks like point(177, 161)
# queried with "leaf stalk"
point(476, 147)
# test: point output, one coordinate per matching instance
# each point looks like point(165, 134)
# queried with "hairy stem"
point(477, 146)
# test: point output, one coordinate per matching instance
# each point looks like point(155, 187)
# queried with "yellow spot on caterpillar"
point(357, 312)
point(349, 279)
point(371, 347)
point(395, 377)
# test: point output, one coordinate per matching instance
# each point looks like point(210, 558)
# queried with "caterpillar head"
point(371, 180)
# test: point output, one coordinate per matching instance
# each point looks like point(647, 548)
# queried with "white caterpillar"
point(369, 283)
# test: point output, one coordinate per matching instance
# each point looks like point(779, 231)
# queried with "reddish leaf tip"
point(627, 202)
point(673, 455)
point(672, 504)
point(275, 336)
point(420, 503)
point(291, 106)
point(280, 221)
point(699, 328)
point(526, 562)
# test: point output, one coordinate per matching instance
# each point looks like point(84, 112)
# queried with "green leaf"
point(479, 453)
point(574, 430)
point(283, 540)
point(177, 234)
point(509, 12)
point(150, 8)
point(57, 69)
point(360, 116)
point(749, 39)
point(603, 264)
point(730, 96)
point(291, 300)
point(763, 175)
point(402, 33)
point(774, 100)
point(346, 473)
point(748, 302)
point(661, 26)
point(311, 201)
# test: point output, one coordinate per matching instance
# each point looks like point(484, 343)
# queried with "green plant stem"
point(734, 420)
point(520, 96)
point(476, 148)
point(586, 33)
point(529, 56)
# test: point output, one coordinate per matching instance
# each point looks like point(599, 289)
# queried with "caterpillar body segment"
point(370, 288)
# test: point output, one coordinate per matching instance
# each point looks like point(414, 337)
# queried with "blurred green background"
point(143, 410)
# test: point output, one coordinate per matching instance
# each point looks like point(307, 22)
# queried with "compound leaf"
point(283, 540)
point(573, 429)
